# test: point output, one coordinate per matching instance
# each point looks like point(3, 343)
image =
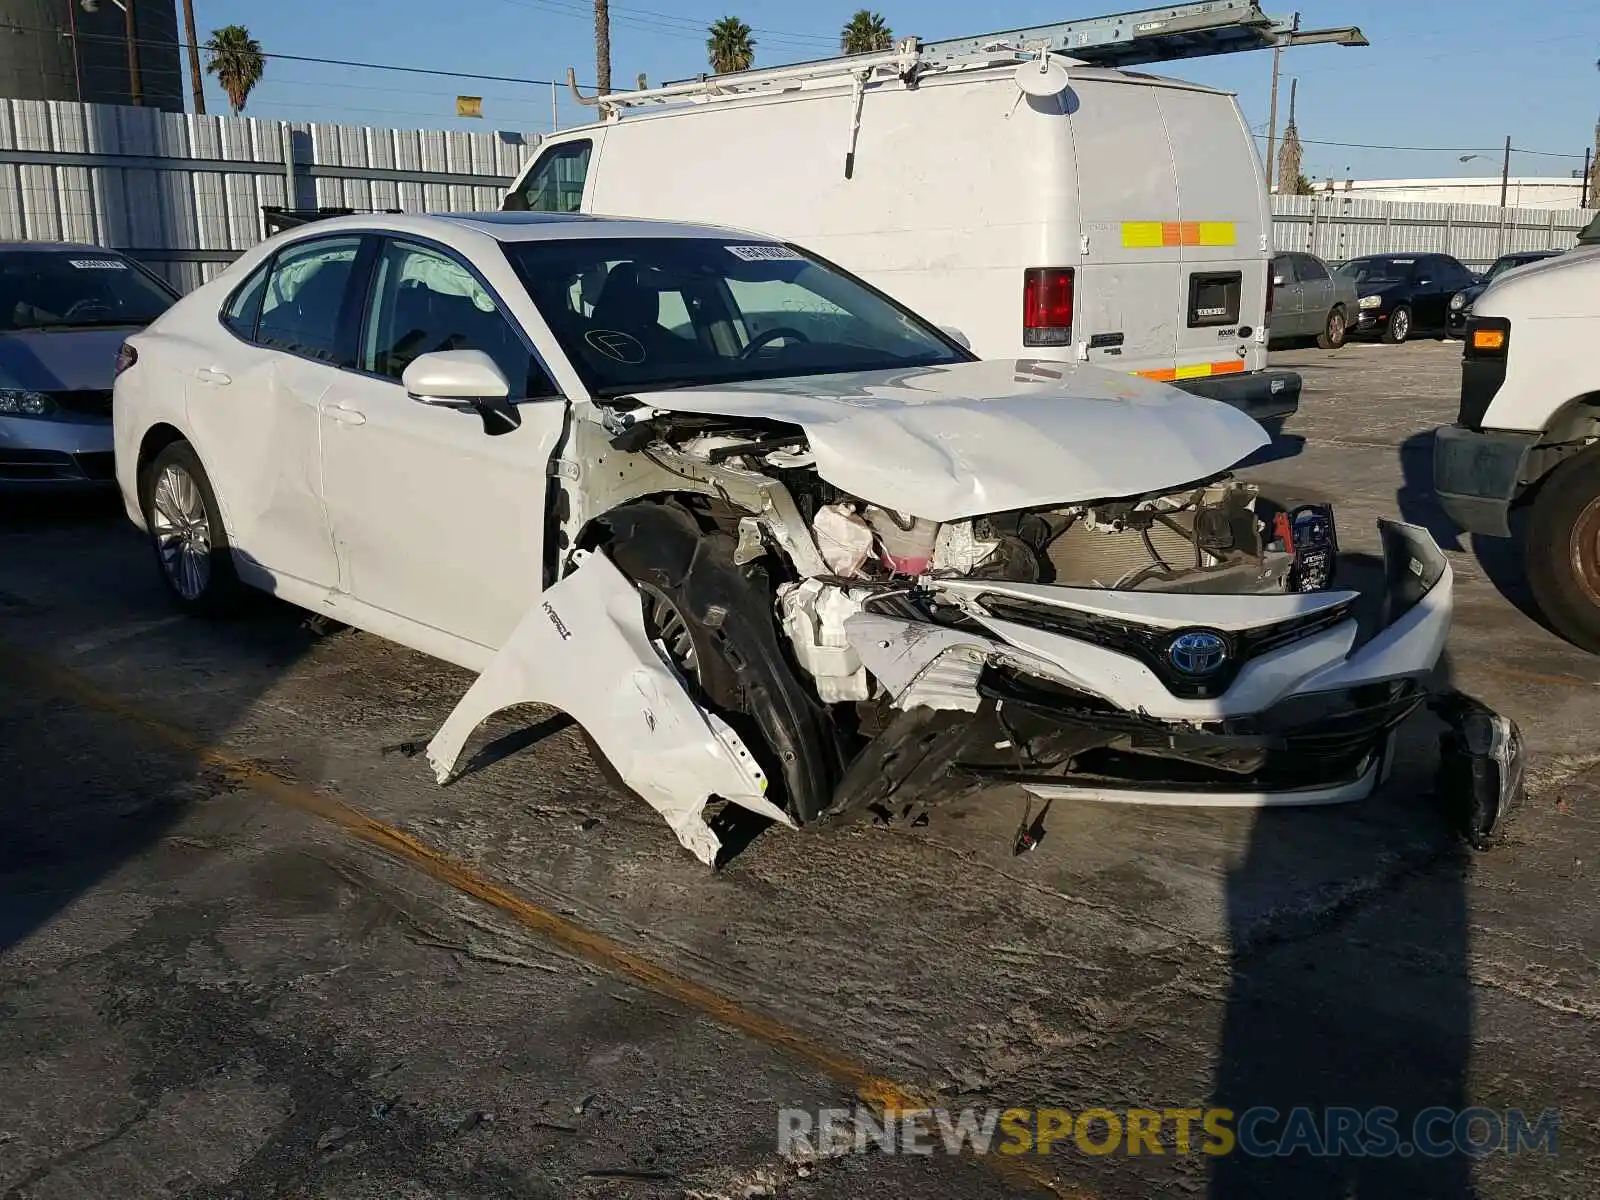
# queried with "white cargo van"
point(1044, 208)
point(1528, 431)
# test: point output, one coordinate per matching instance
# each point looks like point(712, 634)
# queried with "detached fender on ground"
point(583, 648)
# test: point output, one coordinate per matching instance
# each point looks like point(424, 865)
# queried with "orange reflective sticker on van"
point(1228, 366)
point(1154, 235)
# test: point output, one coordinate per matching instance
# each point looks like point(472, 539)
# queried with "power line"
point(687, 28)
point(307, 58)
point(1436, 149)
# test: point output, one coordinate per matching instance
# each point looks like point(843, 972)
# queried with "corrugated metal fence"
point(183, 193)
point(1335, 226)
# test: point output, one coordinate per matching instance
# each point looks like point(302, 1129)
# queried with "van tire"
point(1401, 314)
point(1337, 330)
point(740, 670)
point(1563, 550)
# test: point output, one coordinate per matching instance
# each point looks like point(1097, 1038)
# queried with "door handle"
point(346, 415)
point(212, 375)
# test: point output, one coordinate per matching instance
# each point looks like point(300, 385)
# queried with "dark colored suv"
point(1401, 295)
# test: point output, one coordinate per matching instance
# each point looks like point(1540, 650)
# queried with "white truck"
point(1044, 208)
point(1527, 434)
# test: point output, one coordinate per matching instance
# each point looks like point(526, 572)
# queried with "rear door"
point(1316, 293)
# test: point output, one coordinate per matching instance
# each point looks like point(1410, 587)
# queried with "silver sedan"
point(64, 312)
point(1309, 301)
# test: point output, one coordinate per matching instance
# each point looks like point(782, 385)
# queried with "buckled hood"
point(952, 442)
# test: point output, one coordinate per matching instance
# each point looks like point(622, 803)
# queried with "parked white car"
point(765, 534)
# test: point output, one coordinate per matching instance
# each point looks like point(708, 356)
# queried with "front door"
point(435, 520)
point(1316, 294)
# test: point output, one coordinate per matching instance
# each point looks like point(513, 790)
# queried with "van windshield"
point(642, 314)
point(1376, 270)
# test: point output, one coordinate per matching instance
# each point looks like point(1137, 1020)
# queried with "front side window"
point(422, 301)
point(305, 295)
point(642, 313)
point(76, 289)
point(556, 184)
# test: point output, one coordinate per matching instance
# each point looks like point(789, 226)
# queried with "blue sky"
point(1458, 75)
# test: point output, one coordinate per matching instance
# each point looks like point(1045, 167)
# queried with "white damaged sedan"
point(766, 535)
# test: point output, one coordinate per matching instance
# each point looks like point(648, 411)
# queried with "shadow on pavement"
point(86, 790)
point(1345, 1020)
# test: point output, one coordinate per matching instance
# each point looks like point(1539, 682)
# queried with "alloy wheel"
point(667, 625)
point(182, 530)
point(1400, 325)
point(1586, 551)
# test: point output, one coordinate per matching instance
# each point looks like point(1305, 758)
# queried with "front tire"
point(1563, 550)
point(716, 621)
point(1399, 327)
point(187, 534)
point(1337, 330)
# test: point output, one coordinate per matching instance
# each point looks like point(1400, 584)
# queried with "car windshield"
point(1374, 270)
point(76, 289)
point(636, 314)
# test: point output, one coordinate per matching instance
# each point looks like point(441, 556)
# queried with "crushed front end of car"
point(967, 600)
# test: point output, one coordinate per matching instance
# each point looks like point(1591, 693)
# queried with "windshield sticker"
point(614, 344)
point(766, 253)
point(1404, 262)
point(99, 264)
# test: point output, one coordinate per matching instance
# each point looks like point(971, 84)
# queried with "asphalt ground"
point(248, 948)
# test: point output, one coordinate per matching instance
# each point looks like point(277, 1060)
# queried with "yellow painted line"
point(876, 1091)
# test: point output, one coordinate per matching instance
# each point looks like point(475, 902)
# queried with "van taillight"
point(1047, 306)
point(126, 357)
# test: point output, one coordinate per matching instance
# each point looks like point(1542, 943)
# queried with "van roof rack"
point(1119, 40)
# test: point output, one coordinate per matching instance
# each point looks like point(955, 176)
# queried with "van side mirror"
point(465, 380)
point(956, 336)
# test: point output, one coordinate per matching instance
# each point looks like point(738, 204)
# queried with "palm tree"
point(236, 60)
point(864, 33)
point(602, 45)
point(730, 46)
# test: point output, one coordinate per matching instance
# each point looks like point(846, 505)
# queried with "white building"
point(1522, 191)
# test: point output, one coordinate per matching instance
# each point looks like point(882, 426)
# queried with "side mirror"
point(465, 380)
point(1278, 281)
point(956, 336)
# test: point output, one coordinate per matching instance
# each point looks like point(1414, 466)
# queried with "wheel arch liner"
point(583, 648)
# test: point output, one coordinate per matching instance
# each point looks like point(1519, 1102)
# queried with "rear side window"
point(305, 295)
point(244, 307)
point(556, 183)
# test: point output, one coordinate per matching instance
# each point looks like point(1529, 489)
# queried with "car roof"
point(525, 226)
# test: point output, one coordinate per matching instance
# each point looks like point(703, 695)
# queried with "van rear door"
point(1127, 198)
point(1170, 200)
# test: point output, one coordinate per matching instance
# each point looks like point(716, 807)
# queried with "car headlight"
point(1458, 302)
point(17, 403)
point(1370, 301)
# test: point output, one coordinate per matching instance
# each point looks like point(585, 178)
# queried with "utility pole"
point(197, 79)
point(1505, 172)
point(1272, 117)
point(77, 61)
point(135, 85)
point(1583, 180)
